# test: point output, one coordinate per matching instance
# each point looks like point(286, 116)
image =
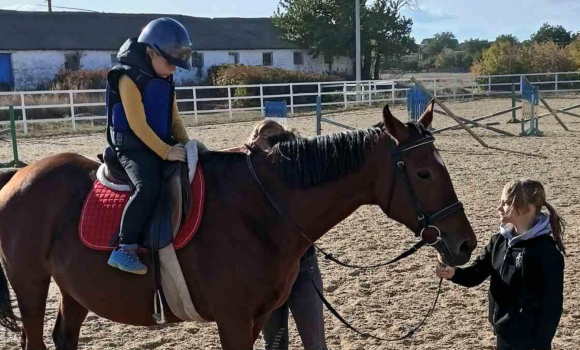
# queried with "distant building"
point(35, 46)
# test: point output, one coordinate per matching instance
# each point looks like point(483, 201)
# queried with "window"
point(197, 60)
point(267, 59)
point(233, 58)
point(298, 58)
point(328, 59)
point(72, 61)
point(114, 59)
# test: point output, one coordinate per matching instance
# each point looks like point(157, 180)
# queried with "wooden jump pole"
point(563, 110)
point(552, 112)
point(449, 112)
point(455, 127)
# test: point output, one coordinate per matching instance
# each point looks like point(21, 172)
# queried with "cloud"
point(431, 16)
point(21, 7)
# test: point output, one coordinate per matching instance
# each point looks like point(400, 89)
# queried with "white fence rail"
point(341, 94)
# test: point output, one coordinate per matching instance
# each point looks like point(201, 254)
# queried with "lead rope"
point(349, 326)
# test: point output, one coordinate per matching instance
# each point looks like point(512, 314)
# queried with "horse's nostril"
point(467, 246)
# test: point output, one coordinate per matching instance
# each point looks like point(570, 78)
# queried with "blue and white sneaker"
point(125, 259)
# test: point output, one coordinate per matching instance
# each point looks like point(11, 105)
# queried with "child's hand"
point(177, 154)
point(444, 271)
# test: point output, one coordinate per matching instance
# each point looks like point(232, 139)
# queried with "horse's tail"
point(7, 318)
point(5, 176)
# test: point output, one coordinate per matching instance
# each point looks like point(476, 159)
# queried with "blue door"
point(5, 71)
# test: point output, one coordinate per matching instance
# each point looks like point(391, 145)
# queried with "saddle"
point(173, 206)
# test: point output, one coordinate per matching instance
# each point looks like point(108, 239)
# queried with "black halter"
point(425, 220)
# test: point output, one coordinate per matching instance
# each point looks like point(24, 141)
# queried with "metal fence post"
point(370, 93)
point(72, 111)
point(393, 92)
point(23, 105)
point(489, 85)
point(556, 81)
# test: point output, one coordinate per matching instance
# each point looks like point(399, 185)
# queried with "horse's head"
point(414, 188)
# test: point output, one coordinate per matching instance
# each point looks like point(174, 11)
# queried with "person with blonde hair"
point(525, 263)
point(303, 301)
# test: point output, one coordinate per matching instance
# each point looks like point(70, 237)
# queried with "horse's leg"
point(67, 327)
point(259, 324)
point(236, 335)
point(31, 295)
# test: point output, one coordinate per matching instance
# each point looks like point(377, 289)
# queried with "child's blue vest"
point(157, 97)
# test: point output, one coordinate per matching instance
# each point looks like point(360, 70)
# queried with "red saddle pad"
point(103, 209)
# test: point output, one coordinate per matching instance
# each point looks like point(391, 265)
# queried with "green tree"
point(473, 49)
point(507, 37)
point(317, 25)
point(556, 34)
point(389, 35)
point(328, 28)
point(440, 41)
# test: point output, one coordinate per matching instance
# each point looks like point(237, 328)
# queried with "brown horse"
point(242, 241)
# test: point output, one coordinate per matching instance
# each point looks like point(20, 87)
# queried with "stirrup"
point(159, 317)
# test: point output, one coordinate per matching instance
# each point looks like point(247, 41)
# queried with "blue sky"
point(465, 18)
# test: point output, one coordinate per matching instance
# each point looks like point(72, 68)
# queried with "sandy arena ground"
point(389, 301)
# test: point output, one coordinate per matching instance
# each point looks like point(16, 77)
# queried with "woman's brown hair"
point(520, 193)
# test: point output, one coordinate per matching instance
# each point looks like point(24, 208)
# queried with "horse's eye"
point(424, 174)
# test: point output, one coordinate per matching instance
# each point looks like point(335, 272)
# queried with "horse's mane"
point(309, 162)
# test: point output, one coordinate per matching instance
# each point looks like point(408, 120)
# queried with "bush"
point(79, 80)
point(548, 57)
point(411, 65)
point(228, 75)
point(509, 58)
point(427, 63)
point(574, 53)
point(503, 57)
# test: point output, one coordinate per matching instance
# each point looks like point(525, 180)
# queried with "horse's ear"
point(427, 117)
point(394, 126)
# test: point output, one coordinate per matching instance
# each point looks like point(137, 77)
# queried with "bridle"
point(425, 220)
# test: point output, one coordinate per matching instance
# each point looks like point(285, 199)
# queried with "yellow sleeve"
point(179, 132)
point(135, 112)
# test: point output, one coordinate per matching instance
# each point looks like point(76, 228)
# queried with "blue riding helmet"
point(170, 39)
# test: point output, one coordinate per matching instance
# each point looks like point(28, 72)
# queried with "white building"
point(35, 46)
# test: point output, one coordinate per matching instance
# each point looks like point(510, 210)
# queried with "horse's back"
point(39, 198)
